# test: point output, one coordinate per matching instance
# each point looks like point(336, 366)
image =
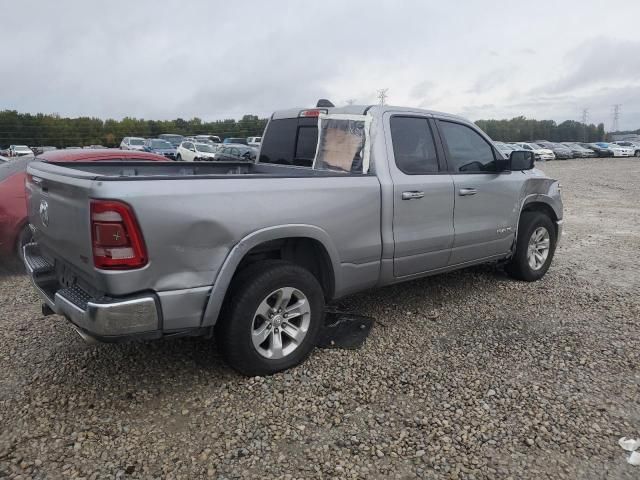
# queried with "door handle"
point(468, 191)
point(412, 195)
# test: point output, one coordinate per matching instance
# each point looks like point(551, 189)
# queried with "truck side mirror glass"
point(522, 160)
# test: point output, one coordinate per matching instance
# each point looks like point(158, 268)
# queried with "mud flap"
point(344, 330)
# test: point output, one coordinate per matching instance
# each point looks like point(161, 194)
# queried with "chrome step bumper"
point(100, 318)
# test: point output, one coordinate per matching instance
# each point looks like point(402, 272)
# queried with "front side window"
point(413, 146)
point(467, 150)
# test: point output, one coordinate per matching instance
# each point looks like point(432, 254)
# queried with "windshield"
point(201, 147)
point(160, 144)
point(236, 140)
point(136, 141)
point(536, 146)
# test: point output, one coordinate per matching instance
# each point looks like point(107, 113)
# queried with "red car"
point(14, 228)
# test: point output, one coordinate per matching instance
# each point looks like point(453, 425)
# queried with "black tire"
point(250, 287)
point(519, 266)
point(178, 158)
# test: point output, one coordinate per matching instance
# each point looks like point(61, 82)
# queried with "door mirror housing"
point(503, 164)
point(521, 160)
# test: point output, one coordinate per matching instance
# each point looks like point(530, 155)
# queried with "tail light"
point(116, 237)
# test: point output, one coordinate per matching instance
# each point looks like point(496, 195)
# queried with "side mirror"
point(522, 160)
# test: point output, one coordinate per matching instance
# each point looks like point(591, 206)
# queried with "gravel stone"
point(467, 375)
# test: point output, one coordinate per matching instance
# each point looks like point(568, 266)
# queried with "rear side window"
point(467, 150)
point(413, 146)
point(307, 142)
point(290, 141)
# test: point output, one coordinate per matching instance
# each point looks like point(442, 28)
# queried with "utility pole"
point(350, 101)
point(585, 117)
point(382, 95)
point(616, 117)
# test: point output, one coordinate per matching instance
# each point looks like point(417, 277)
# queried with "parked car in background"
point(634, 146)
point(207, 139)
point(618, 150)
point(189, 151)
point(14, 229)
point(579, 151)
point(254, 141)
point(597, 149)
point(173, 138)
point(268, 243)
point(132, 143)
point(236, 152)
point(160, 147)
point(239, 141)
point(540, 153)
point(561, 152)
point(505, 148)
point(19, 150)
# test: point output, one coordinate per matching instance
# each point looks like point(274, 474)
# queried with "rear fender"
point(230, 265)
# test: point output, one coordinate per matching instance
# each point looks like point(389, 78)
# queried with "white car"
point(254, 141)
point(539, 152)
point(132, 143)
point(626, 144)
point(189, 151)
point(621, 151)
point(19, 150)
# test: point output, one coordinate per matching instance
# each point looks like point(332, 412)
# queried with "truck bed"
point(116, 170)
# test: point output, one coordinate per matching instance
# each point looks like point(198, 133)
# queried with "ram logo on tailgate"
point(44, 212)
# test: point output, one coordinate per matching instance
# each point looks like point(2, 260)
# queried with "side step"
point(35, 262)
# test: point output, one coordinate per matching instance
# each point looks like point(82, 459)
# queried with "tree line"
point(56, 131)
point(520, 129)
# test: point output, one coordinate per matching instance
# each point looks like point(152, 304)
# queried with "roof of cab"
point(86, 155)
point(363, 109)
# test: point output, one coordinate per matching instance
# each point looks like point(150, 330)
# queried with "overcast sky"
point(164, 59)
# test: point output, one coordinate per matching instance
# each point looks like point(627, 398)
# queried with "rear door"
point(423, 197)
point(486, 201)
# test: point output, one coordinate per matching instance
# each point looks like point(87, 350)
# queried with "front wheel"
point(178, 158)
point(535, 247)
point(271, 318)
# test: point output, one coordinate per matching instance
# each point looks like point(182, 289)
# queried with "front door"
point(422, 197)
point(486, 201)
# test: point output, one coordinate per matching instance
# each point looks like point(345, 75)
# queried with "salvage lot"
point(465, 375)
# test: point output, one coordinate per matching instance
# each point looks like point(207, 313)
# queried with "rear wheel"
point(535, 247)
point(271, 319)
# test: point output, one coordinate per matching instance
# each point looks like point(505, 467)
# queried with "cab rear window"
point(290, 141)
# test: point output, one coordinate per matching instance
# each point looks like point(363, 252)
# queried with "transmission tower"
point(382, 95)
point(585, 118)
point(350, 101)
point(616, 117)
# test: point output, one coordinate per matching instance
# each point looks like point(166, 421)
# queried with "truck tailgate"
point(58, 207)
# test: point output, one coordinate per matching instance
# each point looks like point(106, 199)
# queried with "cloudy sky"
point(213, 59)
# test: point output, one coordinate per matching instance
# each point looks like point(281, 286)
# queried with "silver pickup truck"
point(340, 200)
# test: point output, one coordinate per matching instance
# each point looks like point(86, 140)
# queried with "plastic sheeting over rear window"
point(343, 143)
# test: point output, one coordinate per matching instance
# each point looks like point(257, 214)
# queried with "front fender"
point(238, 252)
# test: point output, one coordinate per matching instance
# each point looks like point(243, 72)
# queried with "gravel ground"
point(465, 375)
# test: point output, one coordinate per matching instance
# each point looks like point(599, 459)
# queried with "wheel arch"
point(305, 245)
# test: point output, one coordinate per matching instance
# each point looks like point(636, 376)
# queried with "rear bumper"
point(104, 319)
